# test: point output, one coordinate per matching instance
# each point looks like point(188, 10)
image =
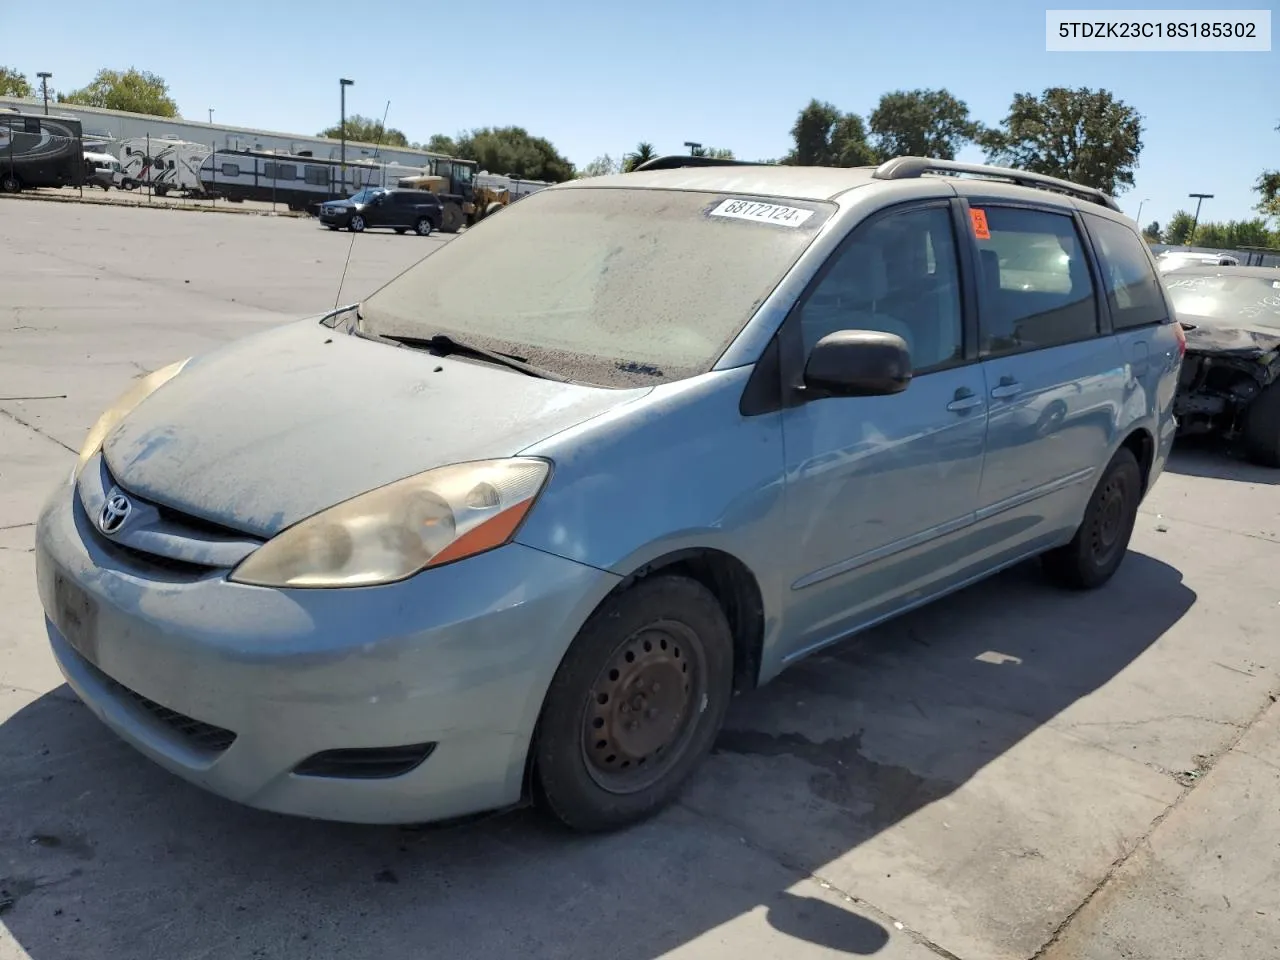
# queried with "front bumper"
point(233, 687)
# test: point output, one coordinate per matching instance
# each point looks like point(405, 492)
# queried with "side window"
point(1036, 286)
point(231, 169)
point(1133, 289)
point(897, 274)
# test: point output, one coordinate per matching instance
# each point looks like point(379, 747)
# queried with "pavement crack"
point(1150, 720)
point(1204, 766)
point(1268, 538)
point(17, 526)
point(34, 429)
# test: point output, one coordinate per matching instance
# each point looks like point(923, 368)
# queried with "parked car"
point(102, 170)
point(1173, 259)
point(398, 210)
point(1228, 382)
point(518, 525)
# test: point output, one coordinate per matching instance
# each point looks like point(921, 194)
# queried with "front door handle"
point(1006, 390)
point(964, 401)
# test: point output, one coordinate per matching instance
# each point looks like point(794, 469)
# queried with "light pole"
point(1139, 216)
point(693, 147)
point(44, 76)
point(1199, 198)
point(211, 116)
point(343, 83)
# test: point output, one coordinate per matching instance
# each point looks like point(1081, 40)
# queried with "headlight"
point(395, 531)
point(125, 405)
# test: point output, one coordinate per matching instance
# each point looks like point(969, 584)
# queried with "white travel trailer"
point(166, 165)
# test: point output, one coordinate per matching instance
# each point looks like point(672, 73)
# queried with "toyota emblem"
point(114, 513)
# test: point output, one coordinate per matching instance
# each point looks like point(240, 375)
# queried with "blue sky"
point(596, 79)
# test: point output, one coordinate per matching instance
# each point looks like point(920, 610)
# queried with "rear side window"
point(1037, 291)
point(1133, 288)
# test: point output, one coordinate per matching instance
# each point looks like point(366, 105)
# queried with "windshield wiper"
point(446, 345)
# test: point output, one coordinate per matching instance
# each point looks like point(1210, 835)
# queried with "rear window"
point(1237, 300)
point(605, 285)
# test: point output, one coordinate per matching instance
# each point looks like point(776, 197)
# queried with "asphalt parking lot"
point(1016, 772)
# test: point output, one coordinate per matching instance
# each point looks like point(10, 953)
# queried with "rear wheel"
point(635, 705)
point(1094, 554)
point(1262, 428)
point(9, 183)
point(423, 227)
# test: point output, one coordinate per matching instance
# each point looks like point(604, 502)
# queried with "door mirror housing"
point(858, 363)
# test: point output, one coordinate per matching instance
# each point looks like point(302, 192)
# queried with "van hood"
point(281, 425)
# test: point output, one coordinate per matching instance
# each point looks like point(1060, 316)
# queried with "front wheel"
point(423, 227)
point(452, 219)
point(356, 224)
point(1095, 552)
point(635, 706)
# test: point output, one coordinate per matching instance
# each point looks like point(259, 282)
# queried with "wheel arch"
point(1142, 444)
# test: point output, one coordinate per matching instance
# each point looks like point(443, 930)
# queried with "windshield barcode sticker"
point(762, 212)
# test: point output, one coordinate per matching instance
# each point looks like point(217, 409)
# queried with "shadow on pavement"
point(1215, 460)
point(104, 855)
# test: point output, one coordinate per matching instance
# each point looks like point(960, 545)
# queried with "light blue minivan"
point(518, 525)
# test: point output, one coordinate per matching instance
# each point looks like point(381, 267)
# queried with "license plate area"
point(76, 616)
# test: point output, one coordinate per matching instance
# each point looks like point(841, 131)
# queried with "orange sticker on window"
point(979, 219)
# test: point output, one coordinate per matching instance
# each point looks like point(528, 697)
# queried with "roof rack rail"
point(675, 162)
point(906, 168)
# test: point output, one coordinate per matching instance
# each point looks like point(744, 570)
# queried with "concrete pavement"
point(1015, 772)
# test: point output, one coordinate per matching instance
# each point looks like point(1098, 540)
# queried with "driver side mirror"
point(858, 363)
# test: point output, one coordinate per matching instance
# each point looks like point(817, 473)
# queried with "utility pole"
point(211, 116)
point(343, 83)
point(44, 76)
point(1199, 198)
point(1139, 216)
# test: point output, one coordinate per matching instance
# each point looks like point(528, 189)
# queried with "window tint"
point(317, 176)
point(1133, 289)
point(231, 169)
point(1036, 286)
point(897, 275)
point(286, 171)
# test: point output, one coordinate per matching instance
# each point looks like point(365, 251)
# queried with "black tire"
point(356, 224)
point(423, 227)
point(1102, 540)
point(9, 183)
point(1262, 428)
point(453, 218)
point(616, 699)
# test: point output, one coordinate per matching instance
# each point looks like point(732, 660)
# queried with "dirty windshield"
point(1248, 301)
point(616, 287)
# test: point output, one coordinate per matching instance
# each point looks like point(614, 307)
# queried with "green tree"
point(1178, 230)
point(826, 137)
point(1268, 189)
point(1234, 234)
point(13, 83)
point(132, 90)
point(643, 153)
point(366, 130)
point(600, 167)
point(718, 153)
point(921, 123)
point(513, 151)
point(1152, 232)
point(439, 143)
point(1083, 135)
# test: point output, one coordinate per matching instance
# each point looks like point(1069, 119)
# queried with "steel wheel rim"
point(424, 227)
point(1109, 522)
point(642, 709)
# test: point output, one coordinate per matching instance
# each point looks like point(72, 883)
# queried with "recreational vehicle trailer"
point(167, 165)
point(39, 151)
point(298, 181)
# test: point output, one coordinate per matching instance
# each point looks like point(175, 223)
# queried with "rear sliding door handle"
point(1006, 390)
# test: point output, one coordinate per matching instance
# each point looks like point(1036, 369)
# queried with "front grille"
point(198, 734)
point(374, 763)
